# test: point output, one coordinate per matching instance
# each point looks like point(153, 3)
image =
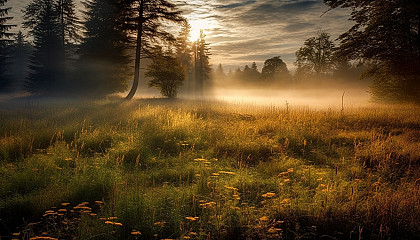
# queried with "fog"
point(314, 98)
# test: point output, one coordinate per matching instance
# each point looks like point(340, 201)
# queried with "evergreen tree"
point(5, 77)
point(20, 52)
point(53, 25)
point(46, 62)
point(103, 64)
point(202, 64)
point(220, 73)
point(184, 53)
point(146, 19)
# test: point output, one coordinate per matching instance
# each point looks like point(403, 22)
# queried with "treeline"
point(100, 53)
point(382, 47)
point(317, 64)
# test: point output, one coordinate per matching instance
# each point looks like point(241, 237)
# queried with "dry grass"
point(208, 170)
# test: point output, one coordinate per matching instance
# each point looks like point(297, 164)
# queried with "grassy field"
point(155, 169)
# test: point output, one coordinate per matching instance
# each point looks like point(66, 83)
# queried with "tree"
point(275, 70)
point(316, 57)
point(146, 19)
point(53, 25)
point(201, 62)
point(69, 23)
point(6, 80)
point(103, 63)
point(386, 37)
point(184, 53)
point(46, 62)
point(220, 73)
point(167, 72)
point(20, 52)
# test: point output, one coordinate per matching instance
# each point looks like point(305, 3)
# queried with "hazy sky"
point(240, 32)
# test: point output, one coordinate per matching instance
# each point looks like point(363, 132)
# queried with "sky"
point(242, 32)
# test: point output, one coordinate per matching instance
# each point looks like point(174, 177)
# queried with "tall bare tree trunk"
point(138, 52)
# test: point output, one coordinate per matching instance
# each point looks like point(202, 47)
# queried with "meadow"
point(158, 169)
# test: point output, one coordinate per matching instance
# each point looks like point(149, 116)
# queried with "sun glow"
point(196, 26)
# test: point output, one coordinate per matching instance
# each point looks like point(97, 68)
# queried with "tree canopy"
point(6, 80)
point(166, 71)
point(385, 36)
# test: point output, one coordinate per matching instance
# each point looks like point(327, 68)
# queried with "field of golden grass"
point(156, 169)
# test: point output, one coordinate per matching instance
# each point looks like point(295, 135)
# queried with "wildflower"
point(290, 170)
point(160, 224)
point(319, 179)
point(283, 174)
point(68, 159)
point(186, 237)
point(117, 224)
point(193, 233)
point(109, 223)
point(99, 202)
point(192, 219)
point(264, 218)
point(65, 204)
point(200, 160)
point(112, 218)
point(15, 234)
point(197, 175)
point(227, 173)
point(135, 233)
point(231, 188)
point(93, 214)
point(215, 174)
point(268, 195)
point(62, 210)
point(285, 201)
point(286, 180)
point(273, 230)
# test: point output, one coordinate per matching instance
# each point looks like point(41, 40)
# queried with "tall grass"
point(208, 170)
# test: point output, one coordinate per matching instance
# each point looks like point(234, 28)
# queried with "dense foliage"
point(385, 36)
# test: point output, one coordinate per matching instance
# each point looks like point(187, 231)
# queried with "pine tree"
point(102, 67)
point(146, 19)
point(20, 52)
point(5, 77)
point(46, 62)
point(184, 54)
point(202, 64)
point(54, 27)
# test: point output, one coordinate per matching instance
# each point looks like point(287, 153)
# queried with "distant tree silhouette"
point(20, 53)
point(145, 19)
point(184, 53)
point(46, 62)
point(69, 24)
point(166, 71)
point(102, 68)
point(53, 24)
point(202, 64)
point(386, 37)
point(316, 57)
point(6, 80)
point(220, 73)
point(275, 71)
